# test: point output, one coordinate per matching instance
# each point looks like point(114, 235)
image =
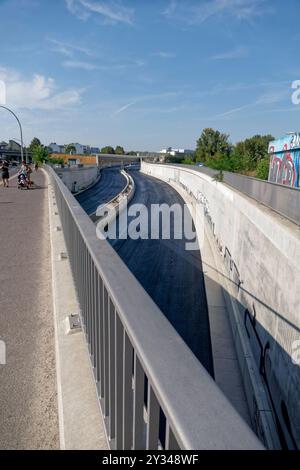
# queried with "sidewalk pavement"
point(28, 401)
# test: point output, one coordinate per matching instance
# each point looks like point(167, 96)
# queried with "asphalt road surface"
point(172, 276)
point(110, 184)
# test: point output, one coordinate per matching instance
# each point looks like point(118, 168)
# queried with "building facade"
point(55, 148)
point(173, 151)
point(79, 149)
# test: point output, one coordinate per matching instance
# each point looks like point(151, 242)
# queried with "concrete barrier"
point(257, 253)
point(116, 205)
point(78, 179)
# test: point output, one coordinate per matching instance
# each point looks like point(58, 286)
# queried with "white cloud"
point(145, 98)
point(123, 108)
point(193, 12)
point(164, 55)
point(74, 64)
point(68, 49)
point(266, 99)
point(237, 53)
point(38, 92)
point(275, 95)
point(110, 11)
point(234, 110)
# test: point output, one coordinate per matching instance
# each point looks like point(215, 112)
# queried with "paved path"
point(28, 403)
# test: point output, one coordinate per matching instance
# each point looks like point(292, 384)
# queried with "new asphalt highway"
point(172, 276)
point(109, 185)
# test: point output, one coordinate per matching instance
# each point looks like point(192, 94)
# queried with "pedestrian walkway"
point(28, 402)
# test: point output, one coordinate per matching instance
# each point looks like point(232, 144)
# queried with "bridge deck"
point(28, 404)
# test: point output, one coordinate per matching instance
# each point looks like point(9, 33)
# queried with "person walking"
point(36, 166)
point(5, 173)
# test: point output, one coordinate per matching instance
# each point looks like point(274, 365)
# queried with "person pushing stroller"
point(24, 176)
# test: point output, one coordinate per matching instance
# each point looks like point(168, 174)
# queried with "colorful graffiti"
point(285, 160)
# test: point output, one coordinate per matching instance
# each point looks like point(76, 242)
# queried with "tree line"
point(40, 152)
point(214, 149)
point(117, 151)
point(108, 149)
point(249, 156)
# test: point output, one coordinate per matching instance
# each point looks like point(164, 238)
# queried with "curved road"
point(171, 275)
point(110, 184)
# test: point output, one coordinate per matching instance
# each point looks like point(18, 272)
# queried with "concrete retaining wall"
point(259, 258)
point(78, 179)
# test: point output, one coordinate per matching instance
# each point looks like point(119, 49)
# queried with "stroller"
point(23, 181)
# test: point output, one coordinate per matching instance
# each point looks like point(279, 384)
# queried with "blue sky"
point(148, 74)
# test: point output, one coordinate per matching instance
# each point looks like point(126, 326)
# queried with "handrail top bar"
point(200, 415)
point(211, 171)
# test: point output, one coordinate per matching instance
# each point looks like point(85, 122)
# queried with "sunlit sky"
point(148, 74)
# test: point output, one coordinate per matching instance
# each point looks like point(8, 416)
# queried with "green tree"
point(34, 143)
point(40, 154)
point(70, 149)
point(212, 145)
point(119, 150)
point(108, 149)
point(220, 161)
point(250, 152)
point(132, 153)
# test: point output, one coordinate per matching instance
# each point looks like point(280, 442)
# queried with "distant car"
point(14, 164)
point(200, 164)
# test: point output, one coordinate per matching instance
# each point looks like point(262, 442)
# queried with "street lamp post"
point(26, 152)
point(21, 132)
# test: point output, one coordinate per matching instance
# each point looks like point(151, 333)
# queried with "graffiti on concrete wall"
point(262, 348)
point(262, 353)
point(232, 269)
point(285, 160)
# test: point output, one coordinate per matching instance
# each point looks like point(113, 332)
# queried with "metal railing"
point(153, 392)
point(282, 199)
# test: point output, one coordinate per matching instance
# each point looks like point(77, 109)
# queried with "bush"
point(56, 161)
point(262, 169)
point(174, 159)
point(188, 161)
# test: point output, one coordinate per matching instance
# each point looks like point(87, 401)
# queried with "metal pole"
point(26, 152)
point(21, 131)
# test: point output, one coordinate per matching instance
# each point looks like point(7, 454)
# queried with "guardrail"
point(282, 199)
point(153, 392)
